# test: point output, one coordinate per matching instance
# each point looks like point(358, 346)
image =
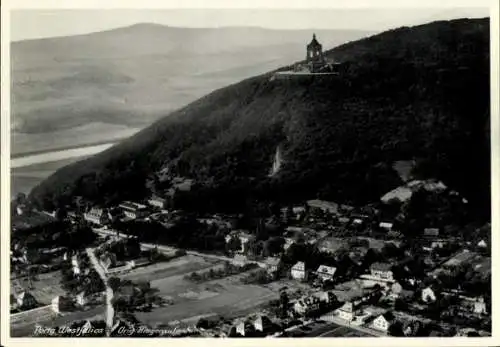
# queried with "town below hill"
point(410, 266)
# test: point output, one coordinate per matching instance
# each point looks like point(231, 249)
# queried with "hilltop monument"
point(316, 64)
point(314, 59)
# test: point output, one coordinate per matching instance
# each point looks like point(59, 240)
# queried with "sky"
point(30, 24)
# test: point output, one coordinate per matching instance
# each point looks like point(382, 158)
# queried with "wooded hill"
point(421, 92)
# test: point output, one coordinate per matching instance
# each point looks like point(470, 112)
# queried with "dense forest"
point(410, 93)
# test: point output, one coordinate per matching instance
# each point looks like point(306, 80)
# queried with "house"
point(431, 232)
point(298, 271)
point(382, 271)
point(395, 290)
point(157, 202)
point(306, 305)
point(80, 299)
point(326, 297)
point(133, 210)
point(325, 273)
point(263, 323)
point(428, 295)
point(271, 264)
point(324, 206)
point(383, 322)
point(240, 260)
point(61, 304)
point(348, 311)
point(26, 301)
point(387, 226)
point(245, 328)
point(479, 306)
point(482, 244)
point(438, 244)
point(343, 220)
point(97, 216)
point(243, 236)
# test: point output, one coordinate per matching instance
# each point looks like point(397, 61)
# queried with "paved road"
point(110, 312)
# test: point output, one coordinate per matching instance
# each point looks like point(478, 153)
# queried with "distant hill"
point(411, 93)
point(128, 77)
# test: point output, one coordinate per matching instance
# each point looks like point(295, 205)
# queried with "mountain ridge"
point(407, 93)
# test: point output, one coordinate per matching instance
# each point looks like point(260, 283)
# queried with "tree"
point(234, 244)
point(396, 329)
point(274, 245)
point(284, 301)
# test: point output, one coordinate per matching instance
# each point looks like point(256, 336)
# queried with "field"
point(226, 296)
point(45, 288)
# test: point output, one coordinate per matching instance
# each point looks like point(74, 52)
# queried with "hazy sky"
point(26, 24)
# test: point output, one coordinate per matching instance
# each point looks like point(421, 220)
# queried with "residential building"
point(262, 323)
point(383, 322)
point(348, 311)
point(382, 271)
point(61, 304)
point(428, 295)
point(271, 264)
point(395, 290)
point(482, 244)
point(298, 271)
point(97, 216)
point(479, 306)
point(80, 299)
point(26, 301)
point(326, 297)
point(306, 305)
point(240, 260)
point(431, 232)
point(243, 236)
point(324, 206)
point(387, 226)
point(133, 210)
point(245, 328)
point(326, 273)
point(157, 202)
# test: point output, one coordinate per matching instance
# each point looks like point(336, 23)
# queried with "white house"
point(482, 244)
point(271, 264)
point(479, 306)
point(298, 271)
point(262, 323)
point(133, 210)
point(325, 273)
point(26, 301)
point(240, 260)
point(383, 322)
point(386, 226)
point(306, 304)
point(60, 304)
point(156, 201)
point(382, 271)
point(97, 216)
point(348, 311)
point(428, 295)
point(81, 299)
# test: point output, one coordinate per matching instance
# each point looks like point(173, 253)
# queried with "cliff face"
point(420, 92)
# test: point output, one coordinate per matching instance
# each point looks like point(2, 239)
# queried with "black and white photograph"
point(249, 172)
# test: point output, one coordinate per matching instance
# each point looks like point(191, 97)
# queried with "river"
point(57, 155)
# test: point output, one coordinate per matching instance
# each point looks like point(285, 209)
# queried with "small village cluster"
point(377, 297)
